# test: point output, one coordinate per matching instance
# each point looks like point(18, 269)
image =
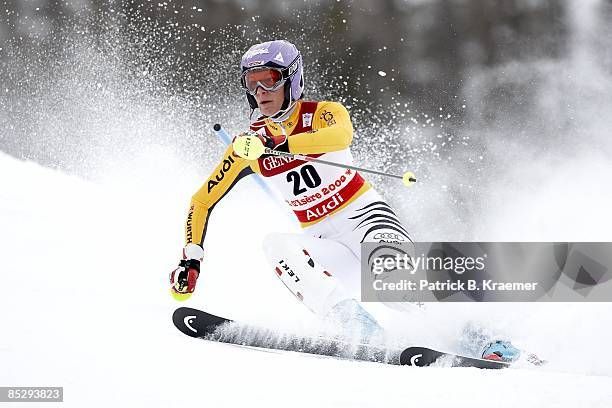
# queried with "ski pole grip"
point(227, 140)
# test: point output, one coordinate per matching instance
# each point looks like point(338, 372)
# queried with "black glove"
point(279, 143)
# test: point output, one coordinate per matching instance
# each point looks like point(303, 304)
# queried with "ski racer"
point(332, 204)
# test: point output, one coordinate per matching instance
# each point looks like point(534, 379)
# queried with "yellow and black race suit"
point(313, 191)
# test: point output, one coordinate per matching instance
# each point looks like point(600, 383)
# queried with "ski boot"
point(355, 321)
point(501, 350)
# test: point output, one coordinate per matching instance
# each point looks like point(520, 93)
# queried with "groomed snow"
point(84, 305)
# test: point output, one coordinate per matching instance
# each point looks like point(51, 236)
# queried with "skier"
point(331, 203)
point(334, 206)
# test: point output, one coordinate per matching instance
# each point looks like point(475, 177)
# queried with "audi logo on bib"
point(330, 204)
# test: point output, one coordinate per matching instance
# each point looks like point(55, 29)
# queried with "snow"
point(84, 305)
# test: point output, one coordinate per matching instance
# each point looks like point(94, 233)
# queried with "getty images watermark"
point(486, 271)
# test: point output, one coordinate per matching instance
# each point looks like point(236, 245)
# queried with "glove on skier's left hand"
point(279, 143)
point(183, 279)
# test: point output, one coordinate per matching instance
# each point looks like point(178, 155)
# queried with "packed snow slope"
point(84, 305)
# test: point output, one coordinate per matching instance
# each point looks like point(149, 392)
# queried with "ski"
point(423, 357)
point(199, 324)
point(196, 323)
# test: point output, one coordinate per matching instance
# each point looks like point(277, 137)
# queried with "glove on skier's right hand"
point(250, 145)
point(183, 279)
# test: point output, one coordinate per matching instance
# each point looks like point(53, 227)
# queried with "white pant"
point(322, 266)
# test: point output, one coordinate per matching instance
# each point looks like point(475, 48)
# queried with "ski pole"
point(226, 139)
point(222, 134)
point(407, 178)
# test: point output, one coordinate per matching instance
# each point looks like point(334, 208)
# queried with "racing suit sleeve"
point(332, 130)
point(225, 176)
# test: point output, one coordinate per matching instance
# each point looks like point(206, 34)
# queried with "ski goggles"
point(270, 79)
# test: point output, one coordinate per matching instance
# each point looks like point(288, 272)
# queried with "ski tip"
point(183, 318)
point(423, 357)
point(418, 356)
point(196, 323)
